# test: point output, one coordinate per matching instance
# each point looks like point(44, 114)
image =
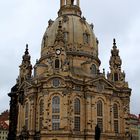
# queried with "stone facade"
point(134, 127)
point(68, 95)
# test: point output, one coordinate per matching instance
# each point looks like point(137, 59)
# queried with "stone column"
point(68, 2)
point(64, 113)
point(78, 3)
point(62, 3)
point(88, 112)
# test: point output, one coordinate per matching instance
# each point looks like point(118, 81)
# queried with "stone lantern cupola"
point(73, 37)
point(25, 67)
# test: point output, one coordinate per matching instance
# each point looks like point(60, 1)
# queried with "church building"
point(65, 95)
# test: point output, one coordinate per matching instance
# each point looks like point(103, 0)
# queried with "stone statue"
point(72, 2)
point(97, 132)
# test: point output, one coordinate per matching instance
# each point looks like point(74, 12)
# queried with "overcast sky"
point(25, 21)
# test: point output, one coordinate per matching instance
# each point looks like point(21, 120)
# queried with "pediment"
point(25, 85)
point(101, 82)
point(54, 81)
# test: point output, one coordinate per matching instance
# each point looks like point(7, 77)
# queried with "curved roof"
point(77, 32)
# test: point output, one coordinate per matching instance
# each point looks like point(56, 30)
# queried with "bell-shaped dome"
point(77, 33)
point(71, 40)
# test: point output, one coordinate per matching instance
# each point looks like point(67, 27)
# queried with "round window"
point(56, 82)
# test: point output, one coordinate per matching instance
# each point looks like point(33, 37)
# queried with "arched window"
point(86, 38)
point(57, 63)
point(77, 106)
point(93, 69)
point(116, 78)
point(100, 114)
point(55, 113)
point(115, 108)
point(77, 114)
point(26, 114)
point(116, 118)
point(99, 109)
point(41, 111)
point(56, 104)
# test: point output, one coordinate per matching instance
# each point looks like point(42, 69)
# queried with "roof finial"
point(26, 46)
point(26, 51)
point(114, 43)
point(59, 35)
point(26, 56)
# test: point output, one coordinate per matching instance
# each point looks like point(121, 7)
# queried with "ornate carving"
point(60, 35)
point(45, 40)
point(115, 61)
point(50, 22)
point(65, 18)
point(25, 67)
point(116, 75)
point(83, 20)
point(92, 26)
point(65, 65)
point(21, 97)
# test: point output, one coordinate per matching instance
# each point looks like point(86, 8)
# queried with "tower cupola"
point(70, 7)
point(116, 75)
point(71, 34)
point(25, 67)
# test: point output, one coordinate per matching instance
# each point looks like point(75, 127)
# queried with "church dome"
point(69, 43)
point(78, 34)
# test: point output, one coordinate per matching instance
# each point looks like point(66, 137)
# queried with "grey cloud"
point(26, 21)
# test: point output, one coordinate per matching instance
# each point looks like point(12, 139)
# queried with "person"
point(72, 1)
point(131, 137)
point(97, 132)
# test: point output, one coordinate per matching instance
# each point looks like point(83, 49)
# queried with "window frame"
point(93, 69)
point(77, 113)
point(55, 113)
point(116, 117)
point(99, 108)
point(100, 112)
point(57, 63)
